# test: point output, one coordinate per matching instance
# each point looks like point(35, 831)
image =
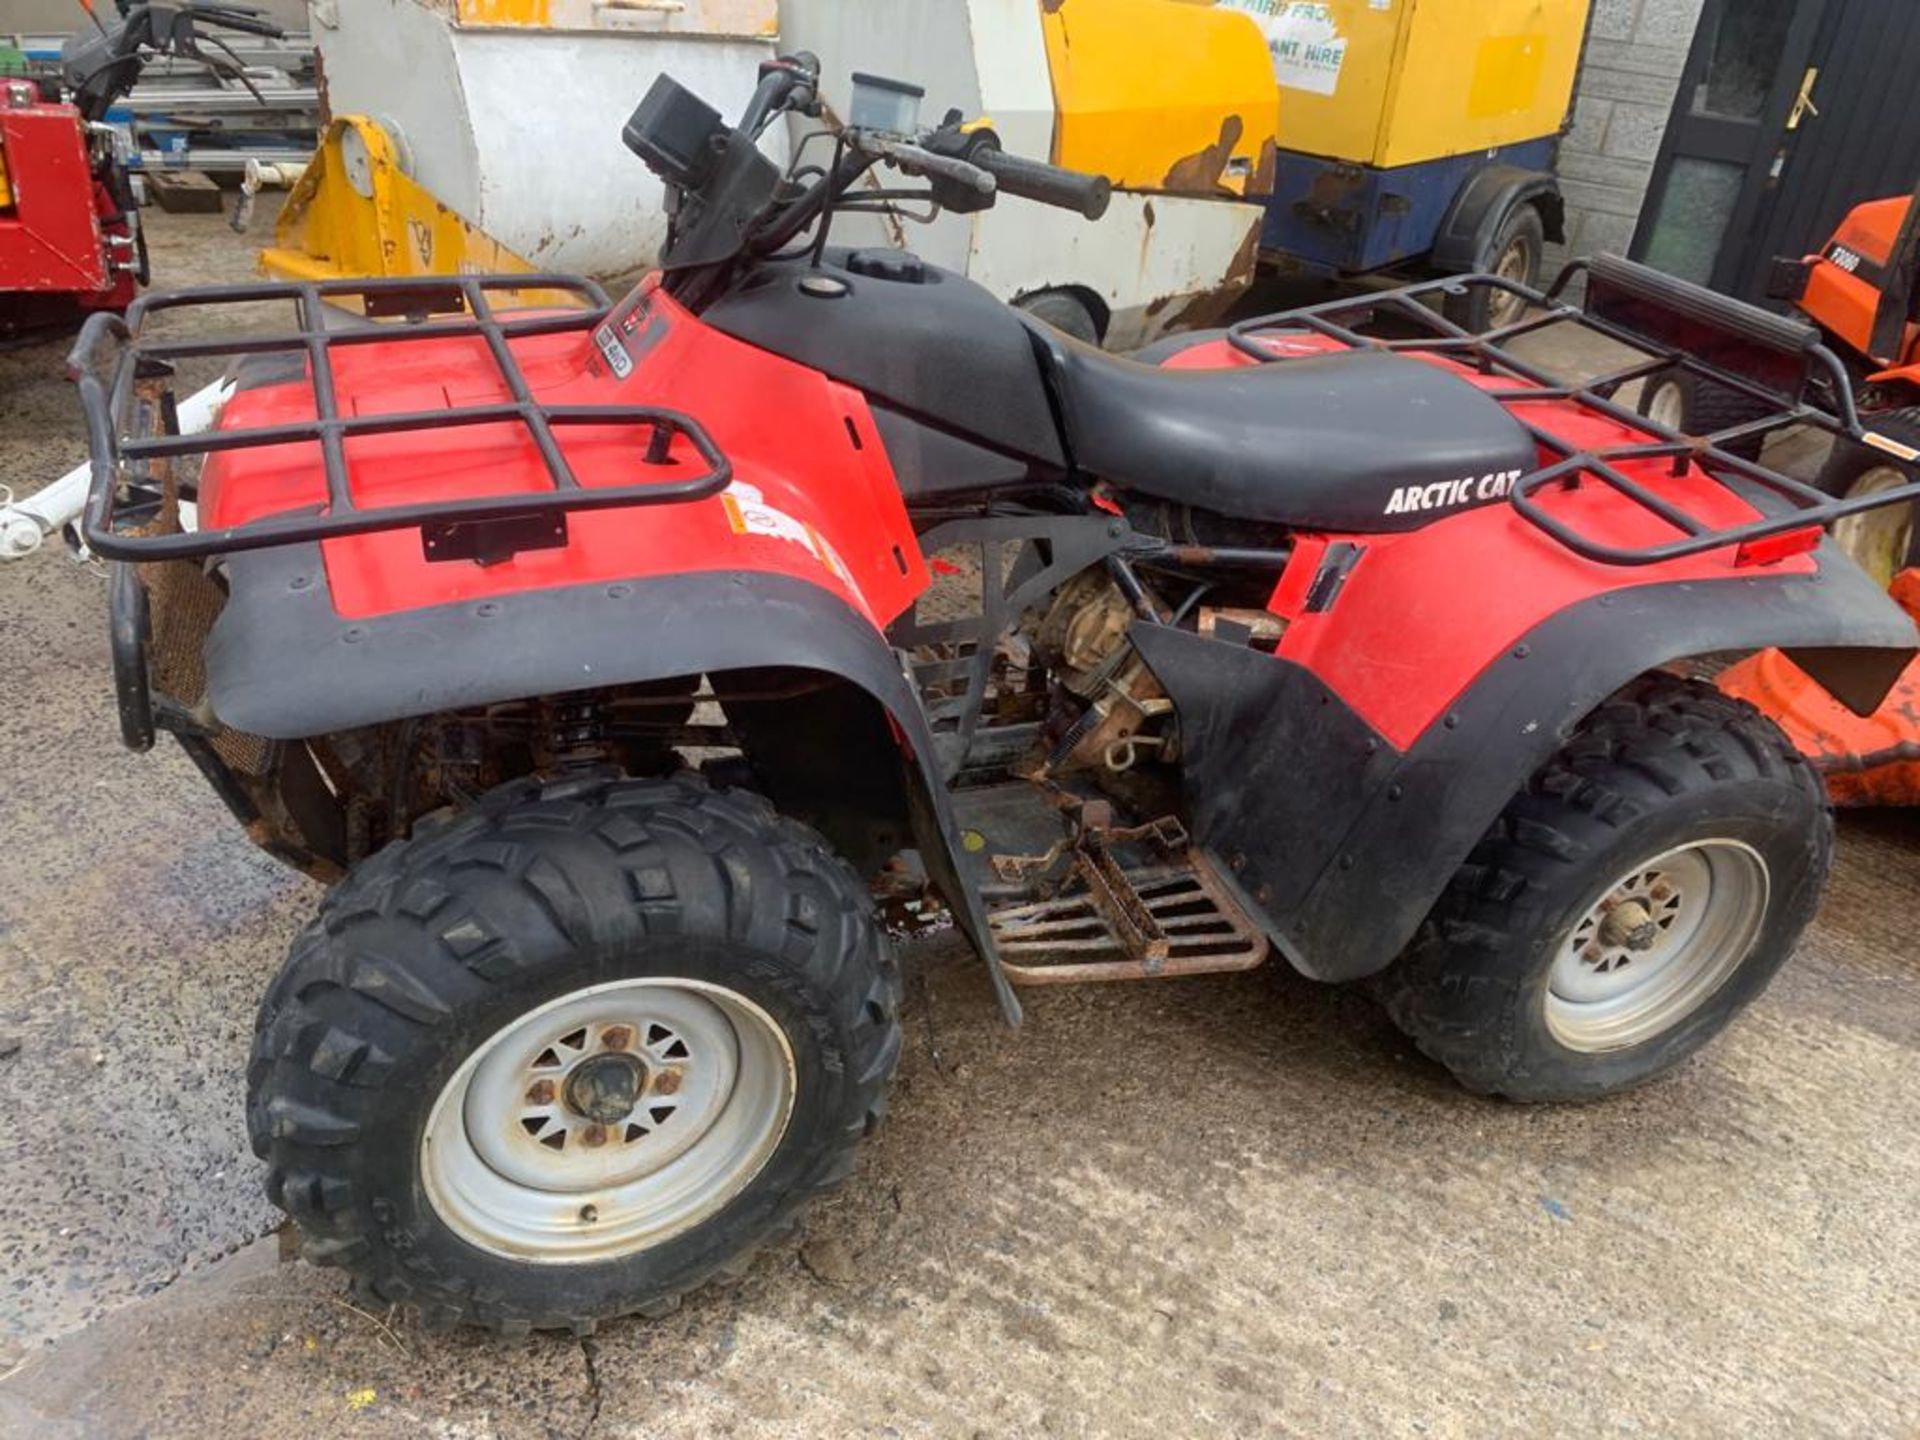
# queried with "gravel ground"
point(1239, 1206)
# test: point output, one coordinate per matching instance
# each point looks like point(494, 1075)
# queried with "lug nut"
point(617, 1037)
point(541, 1093)
point(594, 1135)
point(667, 1082)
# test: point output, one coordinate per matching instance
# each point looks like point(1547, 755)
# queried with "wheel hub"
point(1662, 938)
point(605, 1088)
point(614, 1082)
point(1630, 926)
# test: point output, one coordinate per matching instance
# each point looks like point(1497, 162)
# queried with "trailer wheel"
point(1065, 312)
point(1881, 542)
point(573, 1053)
point(1640, 891)
point(1515, 254)
point(1683, 402)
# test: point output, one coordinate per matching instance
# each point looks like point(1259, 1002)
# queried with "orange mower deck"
point(1873, 760)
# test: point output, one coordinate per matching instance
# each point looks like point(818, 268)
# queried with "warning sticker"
point(1307, 47)
point(748, 513)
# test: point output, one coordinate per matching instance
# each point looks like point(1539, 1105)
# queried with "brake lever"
point(916, 160)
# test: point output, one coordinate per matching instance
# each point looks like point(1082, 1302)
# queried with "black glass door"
point(1739, 98)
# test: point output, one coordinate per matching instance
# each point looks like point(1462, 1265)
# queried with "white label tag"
point(618, 360)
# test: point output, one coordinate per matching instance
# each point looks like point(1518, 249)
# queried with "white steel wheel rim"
point(1668, 406)
point(1656, 944)
point(1878, 541)
point(1515, 264)
point(608, 1121)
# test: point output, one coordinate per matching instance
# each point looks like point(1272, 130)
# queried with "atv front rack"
point(1777, 364)
point(115, 360)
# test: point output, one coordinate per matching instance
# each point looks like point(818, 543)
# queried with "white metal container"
point(509, 112)
point(516, 125)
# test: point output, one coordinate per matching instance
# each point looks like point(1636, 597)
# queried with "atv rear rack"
point(1775, 362)
point(114, 359)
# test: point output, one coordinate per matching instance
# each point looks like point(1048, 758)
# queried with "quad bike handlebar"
point(971, 155)
point(730, 204)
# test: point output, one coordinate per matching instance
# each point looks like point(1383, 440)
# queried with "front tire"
point(1643, 889)
point(573, 1053)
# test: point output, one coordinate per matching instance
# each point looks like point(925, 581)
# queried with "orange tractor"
point(1860, 290)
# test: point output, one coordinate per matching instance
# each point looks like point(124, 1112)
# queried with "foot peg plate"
point(1108, 923)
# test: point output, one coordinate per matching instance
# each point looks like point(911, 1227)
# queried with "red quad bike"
point(1340, 633)
point(70, 236)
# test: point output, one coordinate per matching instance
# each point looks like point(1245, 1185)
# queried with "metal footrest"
point(1153, 922)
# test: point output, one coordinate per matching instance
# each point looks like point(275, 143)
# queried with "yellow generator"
point(1418, 132)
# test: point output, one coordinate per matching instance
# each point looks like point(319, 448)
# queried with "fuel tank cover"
point(894, 265)
point(942, 352)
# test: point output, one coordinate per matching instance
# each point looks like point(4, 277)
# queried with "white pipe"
point(25, 523)
point(260, 175)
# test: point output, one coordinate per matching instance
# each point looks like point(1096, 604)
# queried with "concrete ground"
point(1239, 1206)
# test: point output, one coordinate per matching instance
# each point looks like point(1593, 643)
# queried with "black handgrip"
point(1695, 302)
point(1088, 195)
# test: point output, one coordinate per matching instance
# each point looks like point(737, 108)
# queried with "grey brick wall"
point(1634, 58)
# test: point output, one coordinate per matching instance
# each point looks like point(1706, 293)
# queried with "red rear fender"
point(1425, 675)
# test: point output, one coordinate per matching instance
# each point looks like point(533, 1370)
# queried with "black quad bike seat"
point(1357, 441)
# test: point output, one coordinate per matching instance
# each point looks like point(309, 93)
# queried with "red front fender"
point(813, 497)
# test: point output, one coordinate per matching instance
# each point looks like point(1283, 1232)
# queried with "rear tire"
point(1687, 404)
point(699, 960)
point(1679, 832)
point(1881, 542)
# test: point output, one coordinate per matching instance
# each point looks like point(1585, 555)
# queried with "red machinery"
point(70, 238)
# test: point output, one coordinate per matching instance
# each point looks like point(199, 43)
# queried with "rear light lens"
point(1771, 549)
